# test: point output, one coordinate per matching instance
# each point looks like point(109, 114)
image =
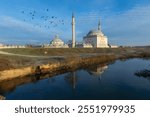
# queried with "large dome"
point(95, 32)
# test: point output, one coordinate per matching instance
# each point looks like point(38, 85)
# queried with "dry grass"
point(72, 51)
point(72, 56)
point(64, 51)
point(11, 62)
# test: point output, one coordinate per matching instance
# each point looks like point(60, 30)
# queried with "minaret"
point(73, 31)
point(99, 25)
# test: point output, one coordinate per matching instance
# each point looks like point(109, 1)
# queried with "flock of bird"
point(47, 21)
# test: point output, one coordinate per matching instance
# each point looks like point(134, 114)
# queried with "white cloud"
point(131, 27)
point(10, 22)
point(128, 28)
point(16, 31)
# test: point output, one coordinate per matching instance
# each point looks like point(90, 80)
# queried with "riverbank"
point(18, 67)
point(70, 63)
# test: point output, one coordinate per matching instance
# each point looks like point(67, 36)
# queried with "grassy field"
point(68, 51)
point(9, 62)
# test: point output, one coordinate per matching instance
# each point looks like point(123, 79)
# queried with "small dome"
point(1, 44)
point(95, 32)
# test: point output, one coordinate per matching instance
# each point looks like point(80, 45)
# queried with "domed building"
point(95, 39)
point(1, 45)
point(57, 43)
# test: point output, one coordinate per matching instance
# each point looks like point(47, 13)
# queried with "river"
point(115, 81)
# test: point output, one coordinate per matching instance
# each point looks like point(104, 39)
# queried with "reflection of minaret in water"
point(73, 31)
point(74, 79)
point(71, 78)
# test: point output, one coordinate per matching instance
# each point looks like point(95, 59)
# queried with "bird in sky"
point(50, 21)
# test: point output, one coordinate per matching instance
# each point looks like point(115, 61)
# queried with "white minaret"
point(73, 31)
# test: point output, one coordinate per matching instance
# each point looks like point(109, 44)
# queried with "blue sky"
point(124, 22)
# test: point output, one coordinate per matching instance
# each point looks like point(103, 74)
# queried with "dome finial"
point(56, 36)
point(99, 25)
point(72, 14)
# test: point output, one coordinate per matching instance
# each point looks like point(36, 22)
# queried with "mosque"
point(94, 39)
point(58, 43)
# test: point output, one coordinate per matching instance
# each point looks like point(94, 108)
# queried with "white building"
point(56, 43)
point(1, 45)
point(114, 46)
point(95, 39)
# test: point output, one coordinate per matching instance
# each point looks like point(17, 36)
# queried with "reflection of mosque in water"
point(97, 71)
point(71, 78)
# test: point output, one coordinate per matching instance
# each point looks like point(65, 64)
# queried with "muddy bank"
point(59, 65)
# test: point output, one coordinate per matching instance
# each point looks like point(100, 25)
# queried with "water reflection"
point(144, 74)
point(115, 81)
point(9, 86)
point(71, 78)
point(97, 71)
